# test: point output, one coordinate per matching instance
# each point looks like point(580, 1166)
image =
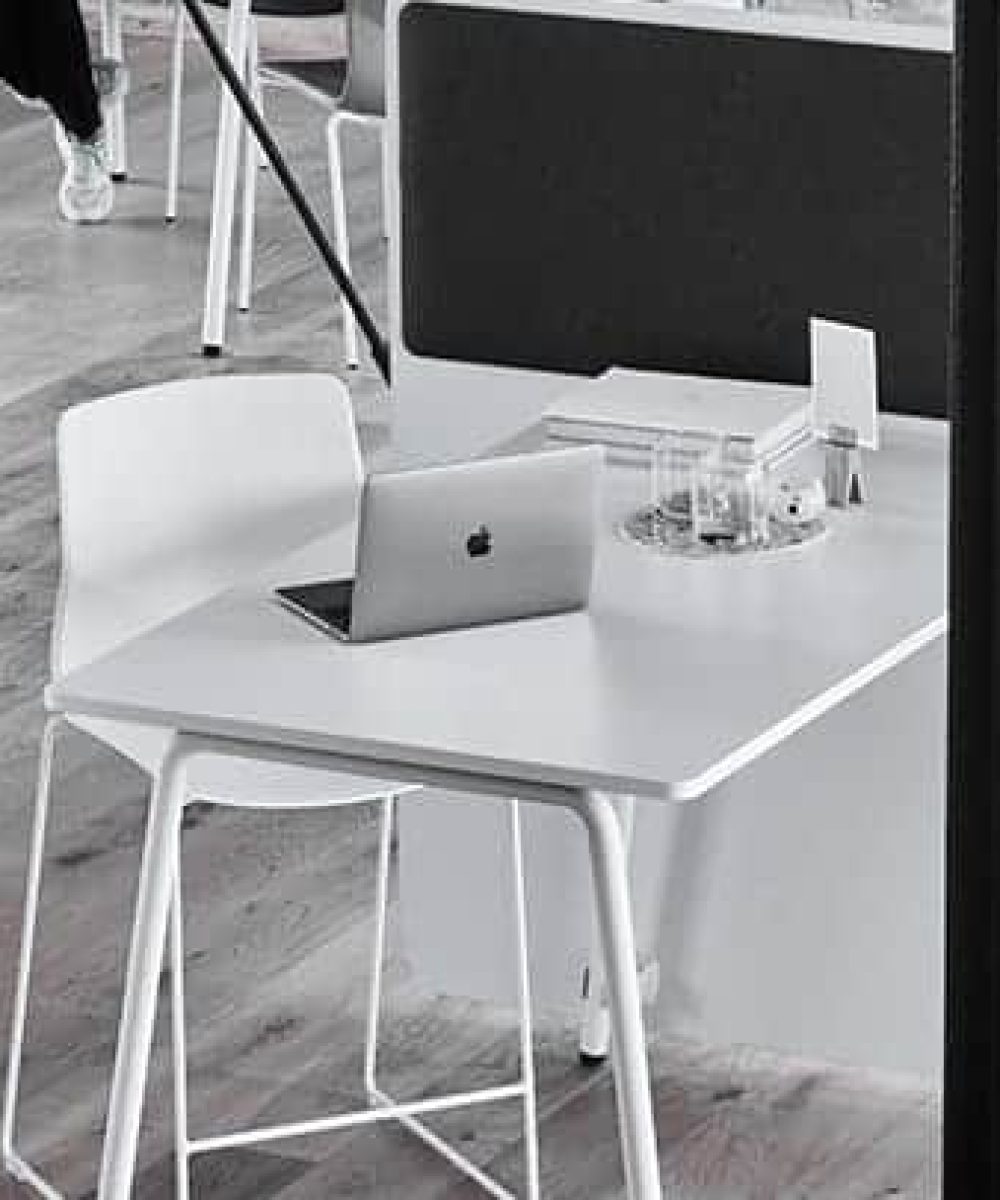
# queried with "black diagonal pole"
point(378, 345)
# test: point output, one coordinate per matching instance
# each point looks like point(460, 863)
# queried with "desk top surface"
point(681, 672)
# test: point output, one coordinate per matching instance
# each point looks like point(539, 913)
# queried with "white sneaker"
point(86, 194)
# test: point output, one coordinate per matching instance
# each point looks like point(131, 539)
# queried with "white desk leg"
point(224, 189)
point(135, 1031)
point(595, 1025)
point(112, 47)
point(611, 895)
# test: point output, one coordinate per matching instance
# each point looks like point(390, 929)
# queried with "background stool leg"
point(383, 134)
point(176, 104)
point(112, 46)
point(36, 854)
point(340, 233)
point(250, 161)
point(224, 187)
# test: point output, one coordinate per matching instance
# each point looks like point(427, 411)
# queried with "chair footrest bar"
point(25, 1173)
point(437, 1143)
point(275, 1133)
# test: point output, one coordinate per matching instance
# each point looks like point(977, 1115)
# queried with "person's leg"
point(17, 54)
point(45, 56)
point(63, 76)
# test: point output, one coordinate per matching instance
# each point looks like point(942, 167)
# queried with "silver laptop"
point(445, 547)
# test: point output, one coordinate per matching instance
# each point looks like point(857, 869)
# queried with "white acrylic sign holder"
point(845, 404)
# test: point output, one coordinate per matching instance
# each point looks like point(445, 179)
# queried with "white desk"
point(682, 673)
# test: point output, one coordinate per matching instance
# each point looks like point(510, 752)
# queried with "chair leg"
point(176, 103)
point(378, 948)
point(383, 134)
point(36, 853)
point(224, 195)
point(340, 231)
point(112, 46)
point(179, 1039)
point(12, 1161)
point(250, 160)
point(527, 1085)
point(524, 1007)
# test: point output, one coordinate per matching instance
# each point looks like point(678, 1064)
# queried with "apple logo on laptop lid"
point(479, 543)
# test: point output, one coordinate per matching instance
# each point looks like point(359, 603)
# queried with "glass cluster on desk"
point(706, 497)
point(701, 491)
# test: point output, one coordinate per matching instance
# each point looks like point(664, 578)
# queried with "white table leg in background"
point(113, 47)
point(224, 189)
point(149, 931)
point(595, 1024)
point(628, 1039)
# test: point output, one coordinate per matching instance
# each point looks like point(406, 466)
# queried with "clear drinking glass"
point(732, 500)
point(675, 466)
point(703, 492)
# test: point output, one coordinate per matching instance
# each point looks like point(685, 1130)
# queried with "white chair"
point(168, 495)
point(351, 89)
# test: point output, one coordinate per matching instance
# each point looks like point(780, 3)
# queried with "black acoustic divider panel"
point(577, 193)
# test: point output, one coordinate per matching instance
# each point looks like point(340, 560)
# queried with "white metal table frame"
point(152, 910)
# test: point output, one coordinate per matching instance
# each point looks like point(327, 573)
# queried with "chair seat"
point(324, 77)
point(244, 783)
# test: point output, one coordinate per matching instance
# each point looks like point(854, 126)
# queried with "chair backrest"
point(171, 493)
point(364, 91)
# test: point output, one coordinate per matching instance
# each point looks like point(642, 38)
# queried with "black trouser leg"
point(44, 54)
